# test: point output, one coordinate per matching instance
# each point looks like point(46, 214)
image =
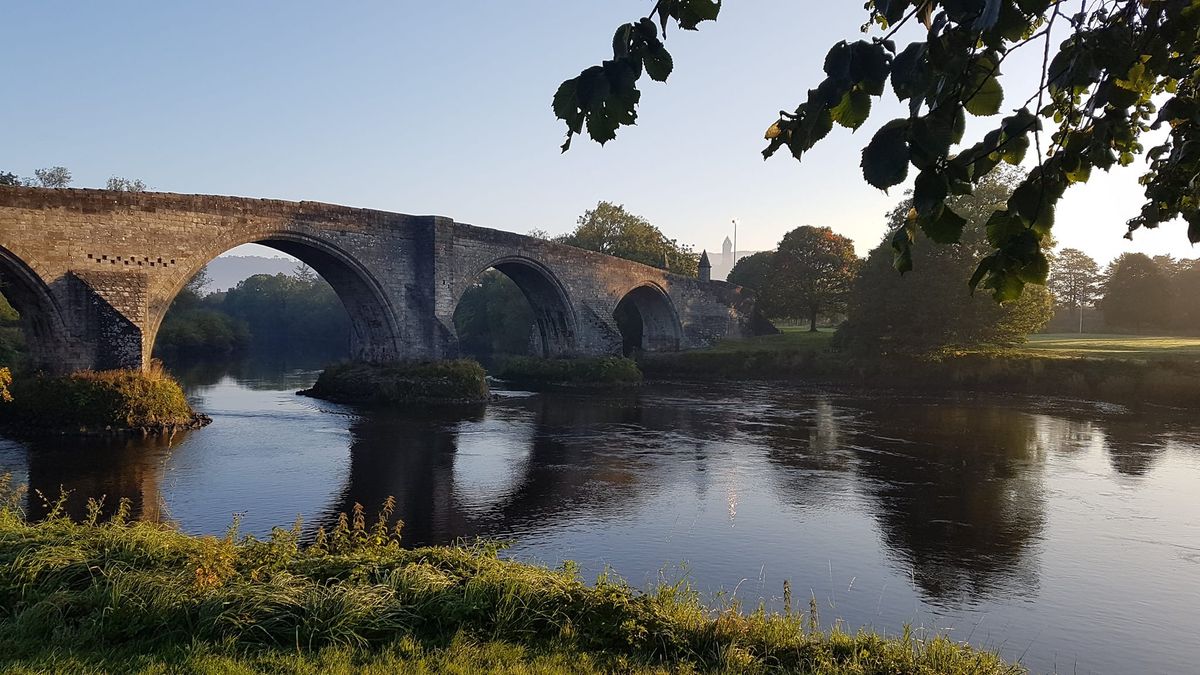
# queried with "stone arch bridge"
point(92, 273)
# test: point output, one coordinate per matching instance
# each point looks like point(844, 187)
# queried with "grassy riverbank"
point(400, 383)
point(142, 597)
point(96, 402)
point(576, 372)
point(1121, 369)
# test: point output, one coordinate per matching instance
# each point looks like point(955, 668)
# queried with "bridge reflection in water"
point(890, 509)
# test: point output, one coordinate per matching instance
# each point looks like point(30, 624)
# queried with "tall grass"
point(118, 596)
point(93, 401)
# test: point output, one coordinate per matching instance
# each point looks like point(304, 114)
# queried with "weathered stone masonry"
point(92, 273)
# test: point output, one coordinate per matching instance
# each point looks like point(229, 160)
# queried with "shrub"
point(582, 371)
point(90, 401)
point(392, 383)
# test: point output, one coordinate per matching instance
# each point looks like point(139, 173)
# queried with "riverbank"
point(121, 597)
point(96, 402)
point(610, 371)
point(399, 383)
point(1145, 373)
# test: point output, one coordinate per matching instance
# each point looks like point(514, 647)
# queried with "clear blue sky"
point(443, 108)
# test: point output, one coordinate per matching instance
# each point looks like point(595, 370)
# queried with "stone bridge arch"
point(555, 322)
point(647, 320)
point(46, 335)
point(375, 323)
point(96, 271)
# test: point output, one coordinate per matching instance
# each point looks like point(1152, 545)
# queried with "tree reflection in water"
point(958, 493)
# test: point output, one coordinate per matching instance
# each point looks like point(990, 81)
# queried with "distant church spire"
point(705, 267)
point(727, 253)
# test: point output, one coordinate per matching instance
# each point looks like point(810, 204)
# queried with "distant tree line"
point(280, 313)
point(814, 273)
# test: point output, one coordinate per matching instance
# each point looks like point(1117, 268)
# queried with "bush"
point(117, 596)
point(393, 383)
point(92, 401)
point(583, 371)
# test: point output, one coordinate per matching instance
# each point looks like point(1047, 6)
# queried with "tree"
point(1187, 300)
point(1099, 89)
point(1137, 293)
point(932, 310)
point(288, 313)
point(125, 184)
point(753, 272)
point(1074, 280)
point(612, 230)
point(53, 177)
point(493, 317)
point(197, 283)
point(8, 178)
point(811, 274)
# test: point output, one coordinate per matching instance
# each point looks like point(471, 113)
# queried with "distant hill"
point(226, 271)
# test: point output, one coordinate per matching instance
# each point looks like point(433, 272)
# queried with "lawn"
point(1127, 347)
point(792, 338)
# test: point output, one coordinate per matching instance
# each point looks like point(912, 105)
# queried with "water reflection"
point(959, 496)
point(959, 509)
point(128, 467)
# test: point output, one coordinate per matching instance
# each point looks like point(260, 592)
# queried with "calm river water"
point(1063, 534)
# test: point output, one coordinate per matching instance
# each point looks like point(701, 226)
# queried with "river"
point(1064, 534)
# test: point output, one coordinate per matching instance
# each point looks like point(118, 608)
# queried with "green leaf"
point(621, 40)
point(885, 159)
point(986, 99)
point(1036, 270)
point(1003, 226)
point(869, 66)
point(837, 62)
point(946, 228)
point(910, 72)
point(565, 105)
point(853, 110)
point(658, 61)
point(929, 193)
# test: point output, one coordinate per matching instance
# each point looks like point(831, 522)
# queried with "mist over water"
point(1064, 534)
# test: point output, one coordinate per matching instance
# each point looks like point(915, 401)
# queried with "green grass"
point(400, 383)
point(601, 371)
point(1100, 345)
point(143, 597)
point(96, 401)
point(1121, 369)
point(791, 338)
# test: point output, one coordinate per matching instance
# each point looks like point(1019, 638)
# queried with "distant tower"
point(705, 267)
point(727, 253)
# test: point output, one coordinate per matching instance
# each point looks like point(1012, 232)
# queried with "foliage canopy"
point(928, 311)
point(1121, 68)
point(812, 272)
point(611, 229)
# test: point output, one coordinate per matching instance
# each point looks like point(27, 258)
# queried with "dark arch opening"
point(31, 332)
point(647, 321)
point(327, 307)
point(524, 302)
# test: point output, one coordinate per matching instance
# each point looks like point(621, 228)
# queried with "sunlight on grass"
point(1114, 346)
